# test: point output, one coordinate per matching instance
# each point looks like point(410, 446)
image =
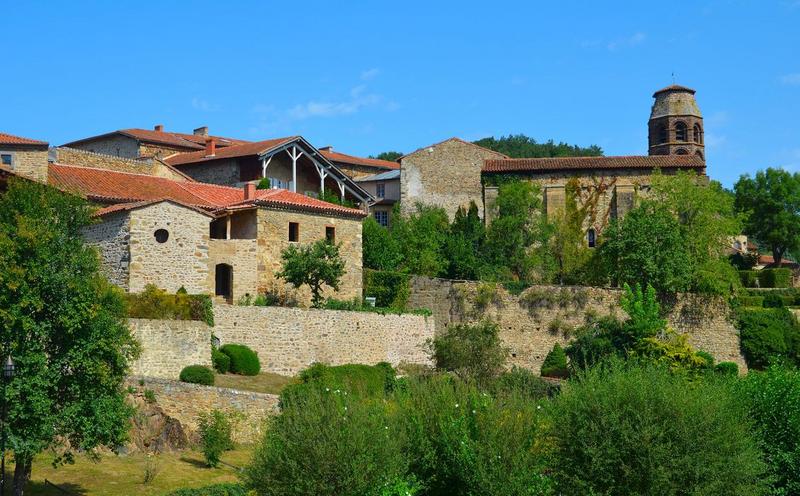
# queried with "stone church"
point(454, 172)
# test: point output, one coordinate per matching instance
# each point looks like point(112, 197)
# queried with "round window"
point(162, 235)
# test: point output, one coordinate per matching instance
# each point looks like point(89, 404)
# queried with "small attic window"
point(161, 235)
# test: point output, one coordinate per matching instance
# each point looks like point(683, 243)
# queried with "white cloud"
point(791, 79)
point(370, 74)
point(204, 105)
point(359, 98)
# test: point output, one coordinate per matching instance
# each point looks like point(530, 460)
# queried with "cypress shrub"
point(748, 278)
point(775, 278)
point(221, 361)
point(244, 361)
point(555, 363)
point(197, 374)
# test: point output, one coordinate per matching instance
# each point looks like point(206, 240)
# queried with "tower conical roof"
point(674, 100)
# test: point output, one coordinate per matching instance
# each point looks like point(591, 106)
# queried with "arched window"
point(681, 131)
point(699, 154)
point(591, 237)
point(681, 151)
point(698, 134)
point(662, 134)
point(161, 235)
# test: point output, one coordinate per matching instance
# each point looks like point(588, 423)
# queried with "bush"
point(749, 278)
point(470, 351)
point(216, 435)
point(244, 361)
point(750, 301)
point(221, 361)
point(775, 278)
point(727, 368)
point(708, 360)
point(523, 382)
point(768, 335)
point(213, 490)
point(154, 303)
point(328, 443)
point(642, 430)
point(555, 363)
point(358, 379)
point(197, 374)
point(773, 400)
point(390, 289)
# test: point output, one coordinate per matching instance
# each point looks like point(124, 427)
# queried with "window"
point(662, 134)
point(382, 217)
point(294, 232)
point(161, 235)
point(698, 134)
point(681, 151)
point(591, 238)
point(7, 159)
point(274, 182)
point(330, 234)
point(380, 190)
point(681, 132)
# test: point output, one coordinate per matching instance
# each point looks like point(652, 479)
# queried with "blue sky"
point(372, 76)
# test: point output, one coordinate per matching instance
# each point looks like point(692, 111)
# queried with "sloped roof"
point(593, 163)
point(458, 140)
point(285, 199)
point(234, 151)
point(352, 159)
point(674, 87)
point(383, 176)
point(10, 139)
point(122, 207)
point(179, 140)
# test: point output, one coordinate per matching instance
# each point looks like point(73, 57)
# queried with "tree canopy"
point(65, 327)
point(391, 156)
point(521, 146)
point(770, 203)
point(314, 265)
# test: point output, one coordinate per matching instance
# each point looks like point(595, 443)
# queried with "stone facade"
point(241, 255)
point(112, 239)
point(185, 402)
point(180, 261)
point(170, 345)
point(288, 340)
point(83, 158)
point(273, 238)
point(533, 322)
point(28, 161)
point(114, 145)
point(447, 174)
point(222, 172)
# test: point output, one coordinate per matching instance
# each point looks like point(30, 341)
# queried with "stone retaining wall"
point(288, 340)
point(184, 402)
point(531, 323)
point(170, 345)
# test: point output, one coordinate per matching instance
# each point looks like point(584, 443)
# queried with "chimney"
point(201, 131)
point(211, 147)
point(328, 148)
point(249, 191)
point(159, 128)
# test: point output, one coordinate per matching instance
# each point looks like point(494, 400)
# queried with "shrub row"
point(357, 305)
point(155, 303)
point(766, 278)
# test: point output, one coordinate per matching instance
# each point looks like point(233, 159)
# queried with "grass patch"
point(123, 475)
point(264, 382)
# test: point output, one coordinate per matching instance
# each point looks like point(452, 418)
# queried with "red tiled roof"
point(121, 207)
point(234, 151)
point(10, 139)
point(178, 140)
point(593, 163)
point(351, 159)
point(107, 186)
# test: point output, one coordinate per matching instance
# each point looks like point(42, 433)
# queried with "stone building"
point(23, 156)
point(385, 188)
point(358, 167)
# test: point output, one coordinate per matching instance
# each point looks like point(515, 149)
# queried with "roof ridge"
point(455, 138)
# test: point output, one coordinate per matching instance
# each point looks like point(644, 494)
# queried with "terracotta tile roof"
point(178, 140)
point(234, 151)
point(122, 207)
point(107, 186)
point(593, 163)
point(351, 159)
point(10, 139)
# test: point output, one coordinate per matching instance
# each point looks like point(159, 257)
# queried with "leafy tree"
point(65, 327)
point(565, 244)
point(771, 204)
point(471, 351)
point(422, 237)
point(315, 265)
point(521, 146)
point(390, 156)
point(648, 247)
point(379, 247)
point(465, 244)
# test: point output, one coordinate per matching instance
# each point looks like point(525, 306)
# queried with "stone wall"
point(170, 345)
point(288, 340)
point(83, 158)
point(224, 172)
point(531, 323)
point(181, 261)
point(115, 145)
point(185, 402)
point(111, 237)
point(273, 238)
point(28, 161)
point(240, 254)
point(446, 174)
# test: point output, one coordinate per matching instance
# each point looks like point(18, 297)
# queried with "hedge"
point(390, 289)
point(775, 278)
point(768, 335)
point(750, 301)
point(727, 368)
point(155, 303)
point(221, 361)
point(244, 361)
point(748, 278)
point(197, 374)
point(228, 489)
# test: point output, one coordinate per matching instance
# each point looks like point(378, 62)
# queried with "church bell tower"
point(676, 124)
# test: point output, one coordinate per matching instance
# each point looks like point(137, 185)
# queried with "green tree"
point(379, 247)
point(315, 265)
point(471, 351)
point(465, 244)
point(422, 237)
point(648, 247)
point(771, 205)
point(566, 241)
point(65, 327)
point(391, 156)
point(521, 146)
